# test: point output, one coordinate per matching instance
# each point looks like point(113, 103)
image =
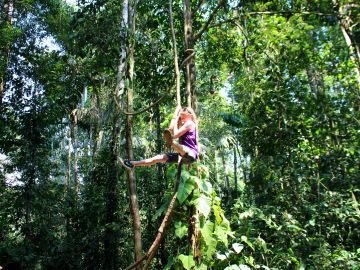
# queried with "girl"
point(183, 127)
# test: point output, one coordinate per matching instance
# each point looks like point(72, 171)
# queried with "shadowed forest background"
point(275, 85)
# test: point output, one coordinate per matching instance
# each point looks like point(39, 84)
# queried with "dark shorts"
point(187, 158)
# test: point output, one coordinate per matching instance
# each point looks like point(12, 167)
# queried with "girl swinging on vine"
point(183, 127)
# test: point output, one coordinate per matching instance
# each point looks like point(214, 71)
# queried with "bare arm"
point(188, 125)
point(175, 119)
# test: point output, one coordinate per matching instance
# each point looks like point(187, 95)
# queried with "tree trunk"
point(191, 98)
point(111, 235)
point(195, 234)
point(68, 175)
point(226, 177)
point(134, 208)
point(129, 22)
point(216, 171)
point(235, 173)
point(189, 49)
point(6, 21)
point(75, 150)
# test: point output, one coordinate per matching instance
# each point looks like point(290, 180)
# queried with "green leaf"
point(181, 229)
point(185, 175)
point(217, 210)
point(222, 233)
point(185, 188)
point(207, 231)
point(208, 236)
point(203, 185)
point(187, 261)
point(245, 240)
point(201, 267)
point(203, 204)
point(237, 247)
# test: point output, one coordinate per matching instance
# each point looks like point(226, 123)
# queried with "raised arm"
point(178, 132)
point(175, 119)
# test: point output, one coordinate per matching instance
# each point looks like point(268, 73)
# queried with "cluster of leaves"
point(196, 195)
point(292, 121)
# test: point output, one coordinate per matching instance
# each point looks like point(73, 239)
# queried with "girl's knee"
point(161, 158)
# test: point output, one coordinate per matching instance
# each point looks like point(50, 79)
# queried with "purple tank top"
point(189, 140)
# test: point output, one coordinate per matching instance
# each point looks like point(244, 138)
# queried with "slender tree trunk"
point(189, 49)
point(226, 177)
point(6, 21)
point(68, 187)
point(111, 240)
point(68, 175)
point(195, 234)
point(191, 98)
point(75, 151)
point(235, 173)
point(96, 135)
point(216, 173)
point(134, 208)
point(129, 23)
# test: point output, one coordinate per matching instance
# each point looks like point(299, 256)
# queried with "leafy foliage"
point(277, 184)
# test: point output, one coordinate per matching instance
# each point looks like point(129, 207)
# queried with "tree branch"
point(187, 58)
point(141, 111)
point(166, 221)
point(206, 26)
point(196, 9)
point(271, 13)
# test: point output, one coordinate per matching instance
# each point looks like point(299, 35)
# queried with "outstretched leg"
point(162, 158)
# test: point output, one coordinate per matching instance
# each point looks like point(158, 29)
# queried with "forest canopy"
point(86, 84)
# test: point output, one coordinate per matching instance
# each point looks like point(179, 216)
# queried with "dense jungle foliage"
point(276, 88)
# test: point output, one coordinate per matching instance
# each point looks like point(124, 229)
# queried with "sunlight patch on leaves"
point(187, 261)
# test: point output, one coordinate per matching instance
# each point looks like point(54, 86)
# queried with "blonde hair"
point(191, 112)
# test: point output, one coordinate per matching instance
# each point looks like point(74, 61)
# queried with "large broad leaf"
point(211, 248)
point(185, 175)
point(185, 188)
point(201, 267)
point(207, 187)
point(181, 229)
point(222, 233)
point(187, 261)
point(203, 204)
point(203, 185)
point(208, 236)
point(207, 232)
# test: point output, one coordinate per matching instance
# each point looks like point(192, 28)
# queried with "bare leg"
point(150, 161)
point(178, 148)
